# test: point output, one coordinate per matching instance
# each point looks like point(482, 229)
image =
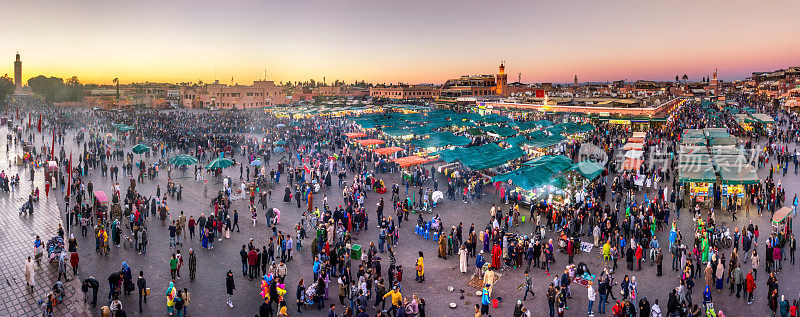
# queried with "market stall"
point(782, 221)
point(410, 161)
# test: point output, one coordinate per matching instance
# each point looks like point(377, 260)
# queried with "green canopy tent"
point(542, 141)
point(737, 174)
point(696, 173)
point(492, 159)
point(460, 152)
point(589, 169)
point(694, 141)
point(183, 160)
point(523, 126)
point(490, 118)
point(532, 177)
point(763, 118)
point(500, 131)
point(475, 131)
point(440, 139)
point(516, 141)
point(219, 162)
point(557, 163)
point(723, 141)
point(125, 128)
point(140, 148)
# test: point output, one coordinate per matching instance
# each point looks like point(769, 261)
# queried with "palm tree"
point(116, 82)
point(685, 78)
point(676, 78)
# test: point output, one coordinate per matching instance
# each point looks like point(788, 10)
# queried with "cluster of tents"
point(549, 170)
point(703, 160)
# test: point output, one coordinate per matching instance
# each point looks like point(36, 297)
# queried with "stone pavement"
point(16, 244)
point(207, 291)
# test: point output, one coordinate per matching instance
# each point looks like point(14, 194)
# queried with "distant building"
point(261, 93)
point(404, 92)
point(477, 85)
point(134, 95)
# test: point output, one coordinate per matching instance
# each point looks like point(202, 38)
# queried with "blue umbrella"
point(279, 149)
point(256, 163)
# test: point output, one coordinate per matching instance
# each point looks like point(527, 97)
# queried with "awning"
point(354, 135)
point(633, 146)
point(737, 174)
point(492, 159)
point(634, 154)
point(696, 173)
point(763, 118)
point(781, 214)
point(440, 139)
point(636, 140)
point(632, 164)
point(388, 150)
point(368, 142)
point(101, 196)
point(409, 161)
point(555, 163)
point(589, 169)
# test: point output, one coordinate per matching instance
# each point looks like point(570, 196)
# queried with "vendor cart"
point(52, 169)
point(54, 248)
point(782, 221)
point(100, 202)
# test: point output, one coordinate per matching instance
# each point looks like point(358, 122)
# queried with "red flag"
point(29, 120)
point(39, 125)
point(69, 174)
point(52, 149)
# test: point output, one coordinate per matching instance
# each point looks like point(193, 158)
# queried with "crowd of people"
point(627, 215)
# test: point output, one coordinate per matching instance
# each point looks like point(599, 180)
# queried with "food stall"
point(782, 221)
point(100, 202)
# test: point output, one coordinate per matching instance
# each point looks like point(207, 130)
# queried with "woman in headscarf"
point(719, 275)
point(127, 278)
point(171, 292)
point(420, 269)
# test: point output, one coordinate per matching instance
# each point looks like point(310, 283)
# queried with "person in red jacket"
point(497, 254)
point(73, 261)
point(638, 257)
point(751, 286)
point(251, 262)
point(570, 250)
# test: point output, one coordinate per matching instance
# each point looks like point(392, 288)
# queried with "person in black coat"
point(266, 309)
point(141, 283)
point(229, 287)
point(91, 283)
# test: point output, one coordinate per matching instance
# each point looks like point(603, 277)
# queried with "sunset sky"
point(409, 41)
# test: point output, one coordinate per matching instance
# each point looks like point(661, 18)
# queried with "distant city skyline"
point(412, 41)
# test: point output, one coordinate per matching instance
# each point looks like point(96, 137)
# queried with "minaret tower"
point(501, 80)
point(18, 72)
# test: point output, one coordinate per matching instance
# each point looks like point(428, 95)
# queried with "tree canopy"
point(6, 88)
point(54, 89)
